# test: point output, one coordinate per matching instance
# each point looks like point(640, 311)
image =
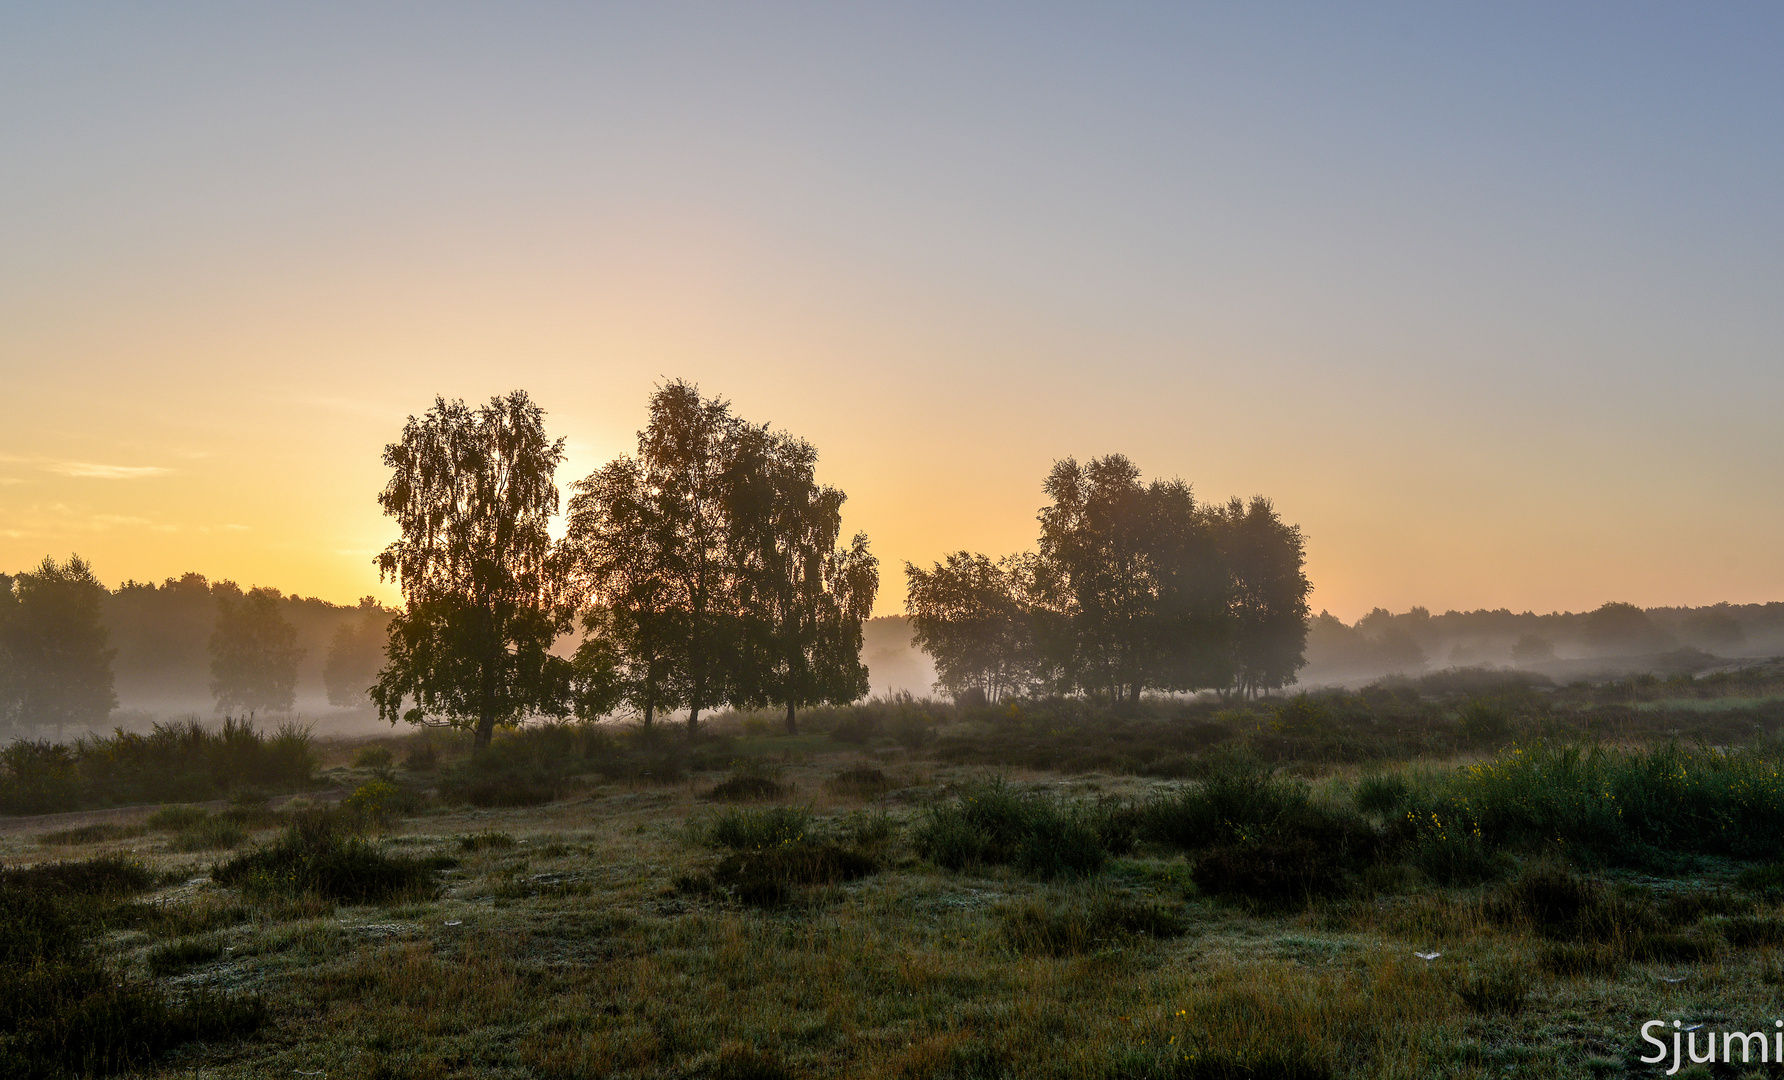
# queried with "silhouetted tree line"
point(705, 570)
point(1134, 586)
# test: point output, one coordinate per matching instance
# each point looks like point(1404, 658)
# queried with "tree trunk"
point(792, 721)
point(486, 729)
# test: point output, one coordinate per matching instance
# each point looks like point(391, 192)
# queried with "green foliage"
point(752, 830)
point(486, 841)
point(859, 781)
point(64, 1014)
point(55, 666)
point(89, 834)
point(211, 834)
point(774, 875)
point(318, 856)
point(254, 653)
point(1767, 881)
point(1269, 873)
point(993, 823)
point(1628, 808)
point(472, 493)
point(173, 762)
point(1076, 925)
point(178, 957)
point(748, 787)
point(1502, 991)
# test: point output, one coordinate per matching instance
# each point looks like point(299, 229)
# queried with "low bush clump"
point(1766, 881)
point(1747, 931)
point(1635, 808)
point(64, 1013)
point(752, 830)
point(860, 781)
point(1081, 926)
point(176, 818)
point(318, 856)
point(992, 823)
point(1270, 873)
point(1503, 991)
point(90, 834)
point(1561, 905)
point(211, 834)
point(173, 762)
point(775, 875)
point(747, 787)
point(176, 957)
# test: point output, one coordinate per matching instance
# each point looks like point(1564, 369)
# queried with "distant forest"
point(160, 635)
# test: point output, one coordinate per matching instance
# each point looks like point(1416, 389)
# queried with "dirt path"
point(122, 815)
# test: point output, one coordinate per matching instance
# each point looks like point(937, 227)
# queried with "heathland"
point(1477, 873)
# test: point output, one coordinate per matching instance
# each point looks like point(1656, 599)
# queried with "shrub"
point(105, 876)
point(1767, 881)
point(1559, 904)
point(1503, 991)
point(90, 834)
point(315, 856)
point(1079, 926)
point(1381, 793)
point(993, 823)
point(63, 1012)
point(173, 762)
point(376, 757)
point(1746, 931)
point(1269, 874)
point(211, 834)
point(750, 830)
point(747, 787)
point(774, 875)
point(176, 957)
point(859, 781)
point(1237, 799)
point(177, 818)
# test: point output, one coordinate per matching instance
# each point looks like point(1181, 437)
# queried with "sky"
point(1489, 299)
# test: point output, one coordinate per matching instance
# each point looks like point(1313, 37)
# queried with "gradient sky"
point(1488, 298)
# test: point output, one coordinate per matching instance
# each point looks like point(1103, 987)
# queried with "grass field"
point(645, 929)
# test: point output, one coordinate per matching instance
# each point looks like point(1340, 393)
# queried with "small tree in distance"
point(355, 654)
point(472, 491)
point(254, 653)
point(56, 647)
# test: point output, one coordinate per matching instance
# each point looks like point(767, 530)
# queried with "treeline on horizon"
point(708, 570)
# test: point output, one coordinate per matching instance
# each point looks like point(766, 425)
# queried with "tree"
point(711, 564)
point(1129, 582)
point(621, 549)
point(1621, 629)
point(57, 647)
point(355, 654)
point(1268, 595)
point(254, 653)
point(686, 453)
point(472, 492)
point(800, 599)
point(971, 615)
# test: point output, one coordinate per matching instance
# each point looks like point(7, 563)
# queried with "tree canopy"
point(711, 567)
point(1134, 587)
point(254, 653)
point(472, 491)
point(55, 663)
